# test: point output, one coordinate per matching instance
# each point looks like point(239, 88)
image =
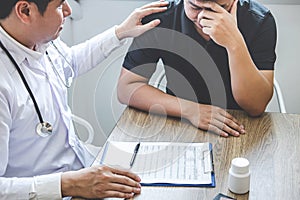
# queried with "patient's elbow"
point(121, 94)
point(121, 99)
point(253, 109)
point(255, 112)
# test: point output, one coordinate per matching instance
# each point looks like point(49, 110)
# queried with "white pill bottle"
point(239, 176)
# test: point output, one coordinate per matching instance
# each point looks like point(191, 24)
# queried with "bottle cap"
point(240, 165)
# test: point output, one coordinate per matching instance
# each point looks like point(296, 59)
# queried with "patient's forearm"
point(148, 98)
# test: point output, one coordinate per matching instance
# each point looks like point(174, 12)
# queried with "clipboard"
point(164, 163)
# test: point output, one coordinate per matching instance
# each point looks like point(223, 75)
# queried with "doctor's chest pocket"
point(22, 108)
point(23, 113)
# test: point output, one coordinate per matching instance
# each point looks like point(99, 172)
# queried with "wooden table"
point(271, 144)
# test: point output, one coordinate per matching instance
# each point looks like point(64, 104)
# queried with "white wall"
point(93, 95)
point(287, 70)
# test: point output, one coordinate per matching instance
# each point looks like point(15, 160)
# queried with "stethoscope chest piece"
point(44, 129)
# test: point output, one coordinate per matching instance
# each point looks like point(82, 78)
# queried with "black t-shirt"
point(197, 69)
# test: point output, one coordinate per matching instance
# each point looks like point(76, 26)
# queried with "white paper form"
point(164, 162)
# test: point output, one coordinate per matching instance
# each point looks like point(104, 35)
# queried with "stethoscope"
point(43, 128)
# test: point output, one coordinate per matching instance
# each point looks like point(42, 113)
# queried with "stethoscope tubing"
point(43, 128)
point(24, 81)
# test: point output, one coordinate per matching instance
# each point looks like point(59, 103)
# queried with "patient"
point(217, 55)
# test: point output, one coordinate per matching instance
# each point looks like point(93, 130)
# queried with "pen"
point(212, 162)
point(136, 149)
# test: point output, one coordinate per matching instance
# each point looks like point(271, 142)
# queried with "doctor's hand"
point(214, 119)
point(100, 182)
point(133, 27)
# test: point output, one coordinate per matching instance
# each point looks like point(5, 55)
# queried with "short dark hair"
point(6, 6)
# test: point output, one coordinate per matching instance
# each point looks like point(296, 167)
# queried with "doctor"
point(40, 157)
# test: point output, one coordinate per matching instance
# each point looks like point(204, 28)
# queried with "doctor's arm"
point(132, 26)
point(89, 54)
point(39, 187)
point(95, 182)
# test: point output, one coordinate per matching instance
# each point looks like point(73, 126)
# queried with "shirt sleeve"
point(89, 54)
point(46, 187)
point(143, 54)
point(263, 46)
point(5, 124)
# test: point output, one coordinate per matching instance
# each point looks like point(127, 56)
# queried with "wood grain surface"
point(271, 144)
